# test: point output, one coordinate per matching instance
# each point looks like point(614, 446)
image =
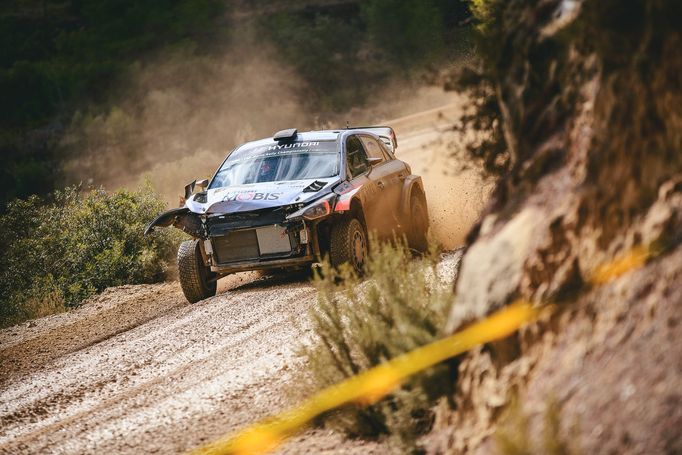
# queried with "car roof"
point(326, 135)
point(319, 135)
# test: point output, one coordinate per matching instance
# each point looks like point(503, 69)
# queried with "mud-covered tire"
point(349, 244)
point(419, 224)
point(197, 280)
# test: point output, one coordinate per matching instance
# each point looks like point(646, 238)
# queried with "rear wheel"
point(349, 244)
point(419, 224)
point(197, 280)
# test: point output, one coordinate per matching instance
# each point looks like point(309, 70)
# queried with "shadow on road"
point(269, 278)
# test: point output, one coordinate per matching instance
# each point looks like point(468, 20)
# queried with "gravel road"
point(138, 368)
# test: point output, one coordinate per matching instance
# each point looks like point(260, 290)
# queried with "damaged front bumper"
point(284, 236)
point(256, 241)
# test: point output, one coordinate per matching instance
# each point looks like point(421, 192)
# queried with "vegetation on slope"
point(55, 253)
point(64, 64)
point(345, 52)
point(359, 323)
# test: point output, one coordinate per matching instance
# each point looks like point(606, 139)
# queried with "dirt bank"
point(594, 173)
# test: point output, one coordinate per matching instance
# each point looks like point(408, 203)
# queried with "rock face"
point(594, 131)
point(610, 360)
point(493, 266)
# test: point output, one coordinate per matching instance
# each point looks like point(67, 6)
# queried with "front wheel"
point(197, 280)
point(349, 244)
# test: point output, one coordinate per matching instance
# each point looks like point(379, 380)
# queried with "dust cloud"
point(455, 203)
point(179, 114)
point(456, 190)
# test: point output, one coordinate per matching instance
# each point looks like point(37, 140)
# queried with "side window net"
point(356, 157)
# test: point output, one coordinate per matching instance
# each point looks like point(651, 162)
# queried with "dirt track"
point(138, 369)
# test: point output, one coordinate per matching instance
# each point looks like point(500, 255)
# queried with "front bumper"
point(247, 242)
point(251, 265)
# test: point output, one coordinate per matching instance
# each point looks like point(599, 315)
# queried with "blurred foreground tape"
point(634, 259)
point(371, 385)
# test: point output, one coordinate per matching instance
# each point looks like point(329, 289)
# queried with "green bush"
point(411, 32)
point(56, 253)
point(357, 325)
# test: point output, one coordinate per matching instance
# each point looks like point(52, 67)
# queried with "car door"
point(388, 174)
point(358, 170)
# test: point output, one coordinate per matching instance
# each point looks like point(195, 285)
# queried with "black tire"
point(419, 224)
point(349, 244)
point(197, 280)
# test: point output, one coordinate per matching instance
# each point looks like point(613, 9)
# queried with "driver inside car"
point(267, 170)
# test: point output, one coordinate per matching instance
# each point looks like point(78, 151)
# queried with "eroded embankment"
point(592, 132)
point(606, 367)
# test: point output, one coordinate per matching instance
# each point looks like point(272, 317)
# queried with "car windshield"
point(276, 162)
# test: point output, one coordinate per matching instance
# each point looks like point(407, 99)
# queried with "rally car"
point(293, 199)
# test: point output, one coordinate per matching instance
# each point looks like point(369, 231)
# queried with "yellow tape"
point(633, 259)
point(373, 384)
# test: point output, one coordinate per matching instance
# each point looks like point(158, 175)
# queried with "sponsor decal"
point(344, 188)
point(292, 145)
point(274, 150)
point(251, 196)
point(270, 153)
point(291, 185)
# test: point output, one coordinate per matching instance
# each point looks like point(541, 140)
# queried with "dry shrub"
point(358, 324)
point(56, 253)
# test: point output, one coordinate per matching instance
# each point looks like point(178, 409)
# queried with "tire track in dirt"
point(115, 311)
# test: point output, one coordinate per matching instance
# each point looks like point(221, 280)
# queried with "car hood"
point(255, 196)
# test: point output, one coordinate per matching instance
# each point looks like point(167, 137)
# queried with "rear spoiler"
point(386, 134)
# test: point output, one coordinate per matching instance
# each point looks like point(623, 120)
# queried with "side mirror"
point(373, 161)
point(189, 188)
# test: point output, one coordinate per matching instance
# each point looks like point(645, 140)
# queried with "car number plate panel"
point(273, 240)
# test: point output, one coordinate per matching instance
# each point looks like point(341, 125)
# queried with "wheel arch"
point(413, 185)
point(357, 210)
point(323, 228)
